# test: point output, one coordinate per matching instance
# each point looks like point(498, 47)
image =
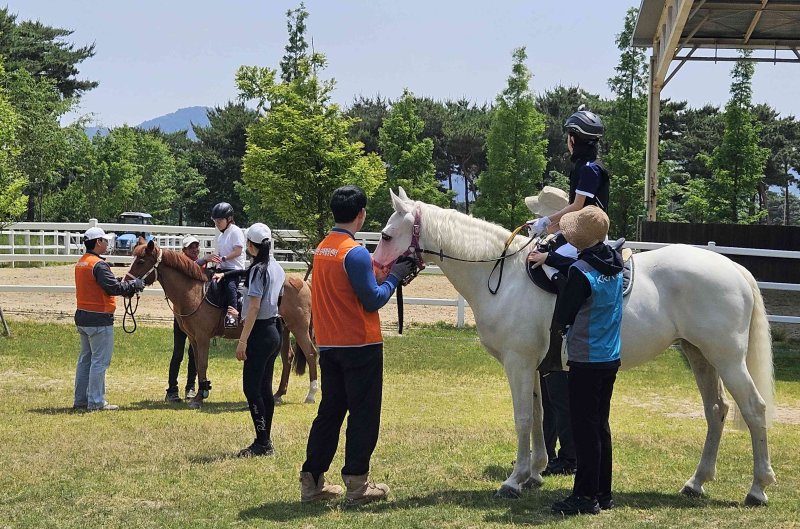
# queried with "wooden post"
point(6, 330)
point(651, 163)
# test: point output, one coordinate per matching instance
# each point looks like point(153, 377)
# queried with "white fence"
point(43, 242)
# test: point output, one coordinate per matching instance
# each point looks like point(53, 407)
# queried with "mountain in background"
point(181, 119)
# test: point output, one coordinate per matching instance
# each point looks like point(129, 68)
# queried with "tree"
point(42, 52)
point(298, 152)
point(515, 151)
point(781, 138)
point(738, 162)
point(39, 106)
point(12, 181)
point(369, 114)
point(465, 130)
point(217, 156)
point(626, 129)
point(408, 157)
point(188, 184)
point(297, 46)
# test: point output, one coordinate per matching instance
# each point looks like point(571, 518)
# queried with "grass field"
point(447, 441)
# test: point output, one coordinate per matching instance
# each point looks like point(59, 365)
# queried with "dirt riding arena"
point(153, 310)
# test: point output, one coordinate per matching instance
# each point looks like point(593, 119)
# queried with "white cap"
point(188, 240)
point(258, 233)
point(95, 233)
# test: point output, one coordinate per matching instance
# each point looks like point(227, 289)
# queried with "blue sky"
point(155, 57)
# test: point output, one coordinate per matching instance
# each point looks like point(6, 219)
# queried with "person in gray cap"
point(191, 249)
point(95, 289)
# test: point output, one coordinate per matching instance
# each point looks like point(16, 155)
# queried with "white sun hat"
point(549, 201)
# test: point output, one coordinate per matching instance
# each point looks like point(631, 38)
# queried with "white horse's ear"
point(402, 193)
point(399, 205)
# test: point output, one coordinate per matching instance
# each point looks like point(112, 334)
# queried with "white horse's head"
point(396, 236)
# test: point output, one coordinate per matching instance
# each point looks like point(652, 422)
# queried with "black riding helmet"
point(585, 125)
point(223, 210)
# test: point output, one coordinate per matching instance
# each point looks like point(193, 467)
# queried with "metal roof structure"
point(708, 30)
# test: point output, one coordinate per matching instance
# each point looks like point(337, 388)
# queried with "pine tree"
point(626, 132)
point(738, 162)
point(515, 151)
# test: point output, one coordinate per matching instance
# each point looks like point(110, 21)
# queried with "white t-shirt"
point(227, 240)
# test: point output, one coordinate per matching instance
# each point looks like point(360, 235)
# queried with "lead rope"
point(130, 310)
point(400, 308)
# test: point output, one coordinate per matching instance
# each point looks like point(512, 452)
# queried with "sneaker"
point(560, 467)
point(572, 505)
point(190, 393)
point(230, 321)
point(257, 449)
point(606, 501)
point(105, 407)
point(172, 395)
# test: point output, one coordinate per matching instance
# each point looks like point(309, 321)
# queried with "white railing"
point(62, 242)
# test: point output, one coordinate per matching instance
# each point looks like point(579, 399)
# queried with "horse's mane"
point(178, 261)
point(464, 236)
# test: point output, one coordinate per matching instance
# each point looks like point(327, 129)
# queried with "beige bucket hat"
point(585, 228)
point(549, 201)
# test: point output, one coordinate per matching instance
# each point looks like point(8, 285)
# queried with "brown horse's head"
point(146, 260)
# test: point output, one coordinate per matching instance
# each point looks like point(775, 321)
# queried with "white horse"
point(708, 303)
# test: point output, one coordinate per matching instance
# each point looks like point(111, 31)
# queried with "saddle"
point(214, 294)
point(550, 243)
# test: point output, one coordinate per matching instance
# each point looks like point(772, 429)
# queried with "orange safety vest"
point(91, 297)
point(340, 319)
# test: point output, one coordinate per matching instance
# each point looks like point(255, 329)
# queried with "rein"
point(418, 251)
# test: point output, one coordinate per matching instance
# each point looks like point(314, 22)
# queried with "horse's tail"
point(759, 352)
point(299, 362)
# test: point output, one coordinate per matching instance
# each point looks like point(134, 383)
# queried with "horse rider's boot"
point(313, 387)
point(320, 490)
point(361, 491)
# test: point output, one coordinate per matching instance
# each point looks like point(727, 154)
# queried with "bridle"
point(153, 269)
point(417, 251)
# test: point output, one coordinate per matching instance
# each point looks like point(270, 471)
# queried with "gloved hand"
point(138, 284)
point(538, 226)
point(403, 268)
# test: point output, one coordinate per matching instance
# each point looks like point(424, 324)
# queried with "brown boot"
point(319, 491)
point(361, 491)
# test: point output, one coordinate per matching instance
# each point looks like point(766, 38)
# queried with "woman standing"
point(260, 341)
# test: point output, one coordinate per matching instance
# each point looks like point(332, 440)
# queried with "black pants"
point(352, 381)
point(556, 422)
point(178, 344)
point(263, 346)
point(232, 291)
point(590, 393)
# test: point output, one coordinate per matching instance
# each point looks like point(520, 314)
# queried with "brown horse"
point(183, 283)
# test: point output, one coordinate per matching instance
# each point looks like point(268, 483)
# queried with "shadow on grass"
point(532, 509)
point(59, 411)
point(208, 406)
point(497, 472)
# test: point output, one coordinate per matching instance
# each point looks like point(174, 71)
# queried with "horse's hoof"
point(204, 393)
point(195, 405)
point(691, 493)
point(533, 483)
point(507, 493)
point(752, 501)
